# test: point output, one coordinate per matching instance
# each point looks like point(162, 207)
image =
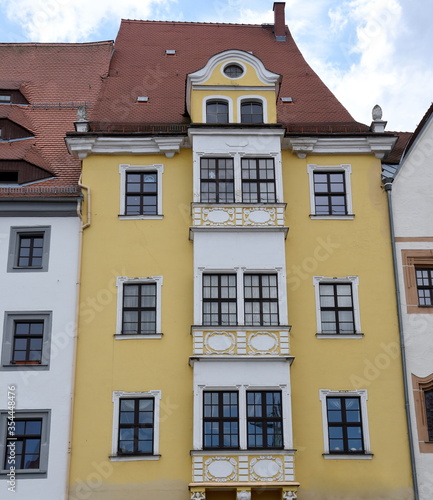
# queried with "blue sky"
point(367, 51)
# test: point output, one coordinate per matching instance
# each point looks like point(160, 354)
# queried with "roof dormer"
point(233, 87)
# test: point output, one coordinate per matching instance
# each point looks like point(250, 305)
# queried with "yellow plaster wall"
point(133, 248)
point(339, 248)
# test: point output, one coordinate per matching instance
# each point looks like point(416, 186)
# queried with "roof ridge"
point(203, 23)
point(55, 44)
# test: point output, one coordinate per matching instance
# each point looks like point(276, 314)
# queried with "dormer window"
point(217, 112)
point(251, 112)
point(5, 99)
point(233, 71)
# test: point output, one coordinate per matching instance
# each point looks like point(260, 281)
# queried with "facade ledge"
point(140, 217)
point(339, 336)
point(194, 359)
point(133, 458)
point(137, 337)
point(204, 229)
point(379, 145)
point(80, 146)
point(333, 217)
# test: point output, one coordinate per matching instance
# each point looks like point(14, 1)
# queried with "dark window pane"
point(336, 308)
point(136, 426)
point(141, 196)
point(330, 193)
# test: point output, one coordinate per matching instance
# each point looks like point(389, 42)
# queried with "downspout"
point(77, 314)
point(387, 182)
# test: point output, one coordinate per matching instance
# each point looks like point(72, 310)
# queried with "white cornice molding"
point(82, 146)
point(228, 131)
point(377, 145)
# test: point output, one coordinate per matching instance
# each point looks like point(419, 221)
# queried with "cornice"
point(82, 146)
point(379, 145)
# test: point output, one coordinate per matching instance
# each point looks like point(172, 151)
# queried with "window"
point(345, 424)
point(251, 112)
point(217, 112)
point(261, 299)
point(141, 191)
point(217, 180)
point(29, 249)
point(337, 307)
point(5, 99)
point(423, 399)
point(424, 285)
point(26, 340)
point(330, 191)
point(139, 307)
point(136, 425)
point(258, 180)
point(219, 299)
point(220, 420)
point(264, 420)
point(233, 71)
point(24, 444)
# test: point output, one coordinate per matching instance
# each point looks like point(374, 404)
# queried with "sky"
point(366, 51)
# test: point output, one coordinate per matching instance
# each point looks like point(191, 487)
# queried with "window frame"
point(125, 169)
point(219, 300)
point(217, 97)
point(221, 420)
point(354, 282)
point(217, 181)
point(11, 318)
point(116, 397)
point(252, 98)
point(265, 420)
point(240, 294)
point(261, 300)
point(16, 233)
point(226, 114)
point(42, 470)
point(346, 169)
point(362, 394)
point(420, 385)
point(411, 261)
point(124, 280)
point(259, 182)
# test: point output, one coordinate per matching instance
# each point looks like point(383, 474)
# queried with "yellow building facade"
point(238, 335)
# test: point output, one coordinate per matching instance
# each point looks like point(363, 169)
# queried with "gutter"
point(387, 182)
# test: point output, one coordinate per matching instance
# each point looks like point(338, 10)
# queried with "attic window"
point(170, 52)
point(233, 71)
point(5, 99)
point(8, 177)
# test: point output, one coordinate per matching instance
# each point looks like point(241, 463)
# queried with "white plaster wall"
point(54, 291)
point(413, 187)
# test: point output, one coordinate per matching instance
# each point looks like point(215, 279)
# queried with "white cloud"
point(74, 20)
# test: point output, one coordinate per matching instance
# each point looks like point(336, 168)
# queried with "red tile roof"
point(55, 79)
point(140, 67)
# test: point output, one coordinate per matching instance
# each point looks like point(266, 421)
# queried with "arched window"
point(251, 112)
point(217, 112)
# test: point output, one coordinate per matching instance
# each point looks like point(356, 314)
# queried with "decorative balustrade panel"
point(242, 215)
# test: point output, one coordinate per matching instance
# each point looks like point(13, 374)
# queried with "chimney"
point(279, 21)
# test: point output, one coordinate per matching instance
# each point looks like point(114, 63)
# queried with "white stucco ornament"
point(377, 113)
point(266, 469)
point(220, 468)
point(243, 495)
point(263, 341)
point(220, 341)
point(218, 216)
point(259, 216)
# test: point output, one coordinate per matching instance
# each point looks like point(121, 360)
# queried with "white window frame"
point(242, 412)
point(259, 98)
point(117, 395)
point(237, 172)
point(363, 396)
point(124, 280)
point(123, 170)
point(347, 170)
point(354, 282)
point(45, 415)
point(240, 272)
point(224, 98)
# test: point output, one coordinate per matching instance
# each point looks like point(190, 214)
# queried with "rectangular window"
point(330, 193)
point(219, 299)
point(139, 309)
point(26, 340)
point(336, 308)
point(220, 420)
point(264, 420)
point(344, 425)
point(136, 424)
point(261, 299)
point(28, 249)
point(423, 399)
point(217, 180)
point(141, 193)
point(258, 180)
point(424, 285)
point(428, 396)
point(24, 443)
